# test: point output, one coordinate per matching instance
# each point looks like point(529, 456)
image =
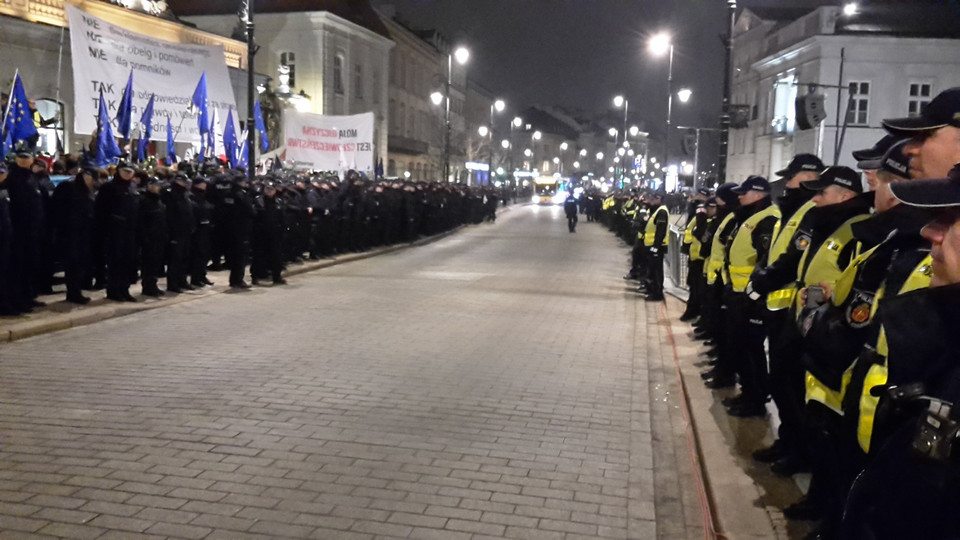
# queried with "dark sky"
point(581, 53)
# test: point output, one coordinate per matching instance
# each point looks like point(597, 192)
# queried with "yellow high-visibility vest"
point(717, 252)
point(877, 374)
point(782, 298)
point(743, 256)
point(650, 230)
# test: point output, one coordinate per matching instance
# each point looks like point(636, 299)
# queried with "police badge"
point(859, 309)
point(802, 241)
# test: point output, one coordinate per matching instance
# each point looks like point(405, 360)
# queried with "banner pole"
point(3, 128)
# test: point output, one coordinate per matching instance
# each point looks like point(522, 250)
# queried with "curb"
point(18, 330)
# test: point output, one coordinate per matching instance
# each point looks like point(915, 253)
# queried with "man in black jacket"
point(28, 219)
point(115, 212)
point(180, 227)
point(73, 218)
point(152, 236)
point(239, 221)
point(8, 306)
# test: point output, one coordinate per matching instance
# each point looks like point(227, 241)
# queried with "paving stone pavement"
point(502, 382)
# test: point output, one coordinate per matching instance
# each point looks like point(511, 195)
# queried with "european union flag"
point(147, 120)
point(258, 122)
point(230, 140)
point(107, 148)
point(125, 110)
point(200, 103)
point(19, 121)
point(171, 151)
point(7, 145)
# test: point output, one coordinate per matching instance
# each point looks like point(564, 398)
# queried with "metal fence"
point(677, 262)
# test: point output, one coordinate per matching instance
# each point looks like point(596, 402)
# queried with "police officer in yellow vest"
point(714, 242)
point(910, 487)
point(777, 279)
point(693, 248)
point(742, 350)
point(655, 241)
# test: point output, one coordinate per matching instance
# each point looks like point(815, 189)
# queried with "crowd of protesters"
point(108, 228)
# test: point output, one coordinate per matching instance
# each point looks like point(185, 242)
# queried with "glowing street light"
point(659, 45)
point(483, 131)
point(505, 144)
point(462, 55)
point(634, 130)
point(517, 121)
point(583, 152)
point(612, 131)
point(850, 9)
point(564, 146)
point(576, 164)
point(436, 98)
point(684, 94)
point(599, 156)
point(499, 105)
point(537, 135)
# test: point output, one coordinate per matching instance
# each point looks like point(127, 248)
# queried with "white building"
point(888, 60)
point(338, 53)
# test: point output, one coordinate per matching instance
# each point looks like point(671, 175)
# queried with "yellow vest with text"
point(781, 299)
point(743, 256)
point(650, 230)
point(717, 253)
point(693, 241)
point(824, 263)
point(877, 374)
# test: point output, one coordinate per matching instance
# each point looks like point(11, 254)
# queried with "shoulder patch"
point(801, 242)
point(858, 312)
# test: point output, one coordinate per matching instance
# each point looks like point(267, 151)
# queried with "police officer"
point(28, 219)
point(72, 206)
point(239, 221)
point(784, 257)
point(756, 218)
point(8, 304)
point(693, 248)
point(910, 487)
point(655, 240)
point(727, 202)
point(115, 210)
point(268, 237)
point(152, 237)
point(200, 243)
point(180, 227)
point(570, 209)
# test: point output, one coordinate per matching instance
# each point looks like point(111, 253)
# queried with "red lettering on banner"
point(310, 131)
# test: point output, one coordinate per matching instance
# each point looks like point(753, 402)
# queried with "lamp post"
point(462, 55)
point(251, 92)
point(534, 137)
point(563, 148)
point(727, 90)
point(497, 106)
point(659, 45)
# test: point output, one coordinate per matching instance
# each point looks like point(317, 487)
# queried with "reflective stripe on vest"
point(824, 264)
point(650, 231)
point(845, 283)
point(877, 374)
point(717, 252)
point(743, 256)
point(782, 298)
point(817, 391)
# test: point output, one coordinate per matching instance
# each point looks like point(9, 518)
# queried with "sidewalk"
point(59, 314)
point(746, 498)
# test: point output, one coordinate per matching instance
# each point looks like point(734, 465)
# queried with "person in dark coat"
point(152, 233)
point(115, 213)
point(570, 208)
point(7, 304)
point(239, 221)
point(268, 237)
point(72, 206)
point(200, 244)
point(180, 226)
point(27, 217)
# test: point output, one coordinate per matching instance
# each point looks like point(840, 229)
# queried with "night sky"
point(581, 53)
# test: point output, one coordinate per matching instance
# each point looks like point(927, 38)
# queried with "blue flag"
point(171, 151)
point(242, 159)
point(7, 145)
point(230, 145)
point(107, 148)
point(378, 171)
point(125, 110)
point(147, 120)
point(200, 103)
point(19, 122)
point(261, 127)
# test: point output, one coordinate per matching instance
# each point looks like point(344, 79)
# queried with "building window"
point(919, 98)
point(412, 124)
point(289, 59)
point(358, 81)
point(338, 73)
point(857, 114)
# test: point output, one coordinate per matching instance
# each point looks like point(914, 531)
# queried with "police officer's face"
point(944, 236)
point(832, 195)
point(933, 153)
point(126, 173)
point(3, 176)
point(802, 176)
point(750, 197)
point(24, 161)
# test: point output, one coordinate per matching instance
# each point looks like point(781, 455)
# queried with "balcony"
point(406, 145)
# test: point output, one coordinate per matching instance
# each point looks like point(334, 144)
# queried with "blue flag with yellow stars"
point(19, 125)
point(171, 151)
point(107, 148)
point(147, 120)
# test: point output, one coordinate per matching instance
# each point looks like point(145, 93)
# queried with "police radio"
point(937, 433)
point(810, 110)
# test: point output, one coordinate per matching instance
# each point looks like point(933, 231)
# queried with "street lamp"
point(462, 55)
point(659, 45)
point(684, 94)
point(497, 106)
point(850, 9)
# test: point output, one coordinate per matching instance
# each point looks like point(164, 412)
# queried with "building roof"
point(359, 12)
point(547, 122)
point(939, 20)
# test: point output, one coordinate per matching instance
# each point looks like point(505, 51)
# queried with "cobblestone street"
point(501, 382)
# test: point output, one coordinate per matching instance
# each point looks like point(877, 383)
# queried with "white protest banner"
point(103, 55)
point(328, 143)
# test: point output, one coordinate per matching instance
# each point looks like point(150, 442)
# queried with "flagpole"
point(16, 74)
point(251, 128)
point(59, 64)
